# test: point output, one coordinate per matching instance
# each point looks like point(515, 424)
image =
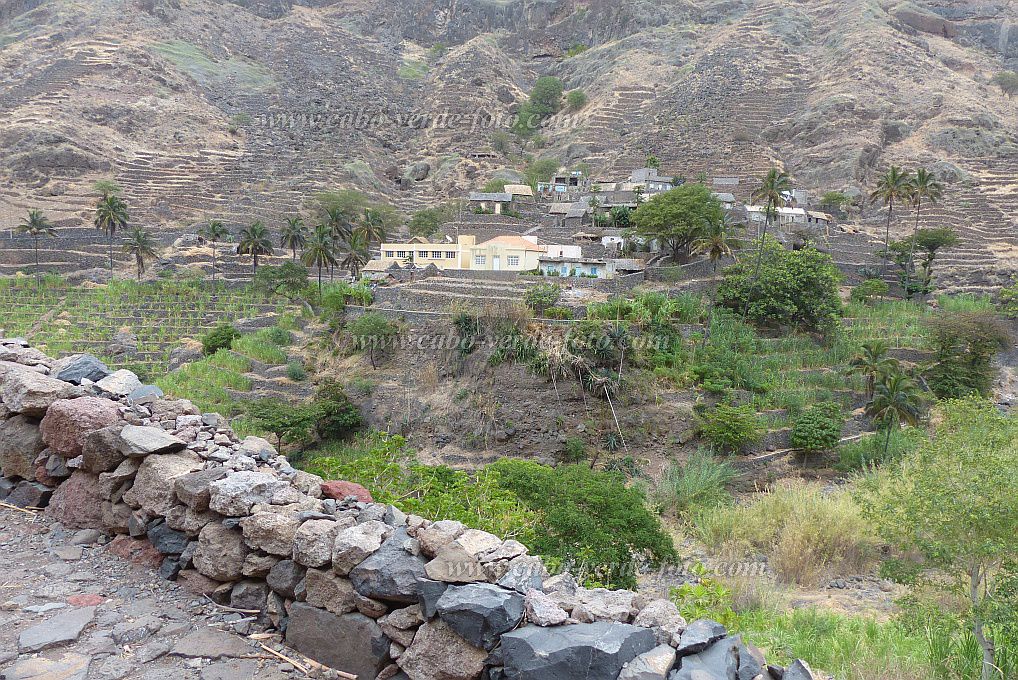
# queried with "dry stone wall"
point(355, 585)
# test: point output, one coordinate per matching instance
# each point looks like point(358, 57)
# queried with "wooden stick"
point(233, 609)
point(303, 669)
point(14, 507)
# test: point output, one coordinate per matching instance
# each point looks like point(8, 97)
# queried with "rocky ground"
point(73, 609)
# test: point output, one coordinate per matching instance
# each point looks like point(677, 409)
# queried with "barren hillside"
point(243, 110)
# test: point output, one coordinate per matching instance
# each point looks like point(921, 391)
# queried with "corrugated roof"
point(519, 189)
point(501, 197)
point(508, 241)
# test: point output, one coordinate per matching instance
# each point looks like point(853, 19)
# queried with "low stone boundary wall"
point(358, 586)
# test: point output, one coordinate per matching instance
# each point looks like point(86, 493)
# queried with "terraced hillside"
point(243, 111)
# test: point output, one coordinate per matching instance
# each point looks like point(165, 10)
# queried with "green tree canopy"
point(952, 501)
point(795, 288)
point(676, 217)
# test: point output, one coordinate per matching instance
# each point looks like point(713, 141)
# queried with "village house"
point(650, 180)
point(789, 217)
point(561, 184)
point(502, 253)
point(490, 202)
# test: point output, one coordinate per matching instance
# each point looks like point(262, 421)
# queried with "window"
point(513, 260)
point(436, 254)
point(450, 254)
point(593, 271)
point(401, 254)
point(479, 259)
point(389, 253)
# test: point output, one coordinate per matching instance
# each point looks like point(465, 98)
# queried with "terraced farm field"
point(153, 317)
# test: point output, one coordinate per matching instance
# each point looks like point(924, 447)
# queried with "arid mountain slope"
point(243, 110)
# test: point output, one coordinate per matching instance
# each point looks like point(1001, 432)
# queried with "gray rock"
point(438, 653)
point(119, 383)
point(249, 595)
point(327, 590)
point(313, 542)
point(430, 592)
point(258, 448)
point(137, 441)
point(69, 666)
point(542, 611)
point(20, 444)
point(78, 367)
point(29, 495)
point(285, 577)
point(100, 449)
point(220, 553)
point(193, 489)
point(352, 643)
point(166, 540)
point(209, 643)
point(480, 612)
point(355, 544)
point(652, 665)
point(61, 629)
point(401, 624)
point(525, 573)
point(272, 532)
point(31, 393)
point(391, 573)
point(453, 564)
point(145, 394)
point(234, 496)
point(579, 652)
point(698, 635)
point(153, 485)
point(663, 616)
point(799, 670)
point(438, 535)
point(719, 661)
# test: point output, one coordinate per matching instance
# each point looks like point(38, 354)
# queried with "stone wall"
point(355, 585)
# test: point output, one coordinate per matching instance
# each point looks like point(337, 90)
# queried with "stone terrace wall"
point(358, 586)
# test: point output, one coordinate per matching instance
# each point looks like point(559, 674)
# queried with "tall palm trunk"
point(759, 254)
point(254, 265)
point(319, 280)
point(910, 265)
point(110, 241)
point(887, 238)
point(213, 264)
point(38, 274)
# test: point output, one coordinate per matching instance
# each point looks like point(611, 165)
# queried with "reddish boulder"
point(136, 551)
point(76, 503)
point(68, 421)
point(340, 489)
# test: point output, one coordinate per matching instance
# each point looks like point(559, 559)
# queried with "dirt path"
point(70, 609)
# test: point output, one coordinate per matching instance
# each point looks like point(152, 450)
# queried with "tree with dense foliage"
point(896, 399)
point(254, 241)
point(357, 254)
point(110, 215)
point(925, 188)
point(872, 362)
point(545, 101)
point(952, 502)
point(1007, 81)
point(676, 217)
point(793, 288)
point(895, 186)
point(426, 222)
point(592, 523)
point(371, 332)
point(106, 188)
point(214, 232)
point(964, 345)
point(293, 236)
point(834, 201)
point(540, 170)
point(653, 162)
point(142, 246)
point(818, 428)
point(289, 280)
point(729, 428)
point(869, 289)
point(319, 252)
point(621, 217)
point(35, 226)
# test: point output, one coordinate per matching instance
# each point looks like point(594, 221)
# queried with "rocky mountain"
point(245, 109)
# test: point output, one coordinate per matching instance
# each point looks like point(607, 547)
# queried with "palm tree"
point(356, 254)
point(896, 399)
point(338, 223)
point(36, 225)
point(924, 186)
point(872, 362)
point(214, 232)
point(110, 215)
point(140, 244)
point(895, 185)
point(254, 241)
point(716, 241)
point(372, 227)
point(771, 193)
point(319, 252)
point(294, 235)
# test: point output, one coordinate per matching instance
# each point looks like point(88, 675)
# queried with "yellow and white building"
point(502, 253)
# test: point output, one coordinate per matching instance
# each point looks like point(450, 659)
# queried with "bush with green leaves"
point(869, 289)
point(590, 520)
point(730, 428)
point(542, 296)
point(289, 280)
point(558, 312)
point(697, 484)
point(1009, 301)
point(575, 450)
point(220, 337)
point(818, 428)
point(576, 100)
point(296, 372)
point(545, 101)
point(965, 344)
point(372, 332)
point(869, 451)
point(793, 288)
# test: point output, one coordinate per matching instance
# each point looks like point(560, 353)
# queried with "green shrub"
point(589, 520)
point(1009, 301)
point(869, 289)
point(296, 372)
point(542, 296)
point(277, 336)
point(576, 100)
point(575, 450)
point(372, 332)
point(383, 464)
point(556, 312)
point(818, 428)
point(964, 347)
point(220, 337)
point(335, 416)
point(697, 484)
point(260, 349)
point(868, 451)
point(730, 428)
